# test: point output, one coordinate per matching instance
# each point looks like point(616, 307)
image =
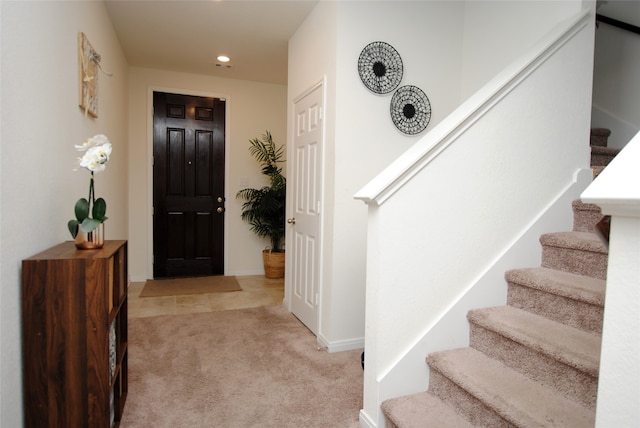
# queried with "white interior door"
point(305, 222)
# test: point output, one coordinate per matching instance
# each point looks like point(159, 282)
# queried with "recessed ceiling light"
point(223, 58)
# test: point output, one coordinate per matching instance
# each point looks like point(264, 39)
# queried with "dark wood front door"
point(188, 185)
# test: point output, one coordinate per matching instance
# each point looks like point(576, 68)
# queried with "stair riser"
point(599, 141)
point(575, 261)
point(576, 384)
point(600, 137)
point(586, 220)
point(601, 160)
point(464, 403)
point(574, 313)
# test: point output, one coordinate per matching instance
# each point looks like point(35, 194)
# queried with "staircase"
point(533, 362)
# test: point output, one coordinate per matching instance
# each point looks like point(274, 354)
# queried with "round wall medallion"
point(380, 67)
point(410, 110)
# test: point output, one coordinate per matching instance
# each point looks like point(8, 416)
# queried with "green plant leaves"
point(82, 209)
point(264, 209)
point(73, 228)
point(89, 224)
point(99, 209)
point(82, 221)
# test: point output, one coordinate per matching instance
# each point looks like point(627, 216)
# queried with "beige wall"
point(252, 108)
point(360, 139)
point(40, 124)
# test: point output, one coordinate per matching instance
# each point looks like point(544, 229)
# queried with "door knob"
point(220, 210)
point(220, 199)
point(291, 220)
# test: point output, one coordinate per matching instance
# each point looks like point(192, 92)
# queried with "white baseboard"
point(137, 278)
point(340, 345)
point(246, 272)
point(365, 420)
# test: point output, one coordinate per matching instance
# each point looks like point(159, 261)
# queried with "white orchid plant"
point(97, 151)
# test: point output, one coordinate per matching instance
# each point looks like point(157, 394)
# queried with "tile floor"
point(256, 291)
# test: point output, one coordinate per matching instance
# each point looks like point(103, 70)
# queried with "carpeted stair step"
point(602, 156)
point(490, 394)
point(422, 410)
point(600, 137)
point(556, 355)
point(574, 300)
point(585, 216)
point(581, 253)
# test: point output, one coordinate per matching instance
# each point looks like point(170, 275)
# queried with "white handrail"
point(380, 188)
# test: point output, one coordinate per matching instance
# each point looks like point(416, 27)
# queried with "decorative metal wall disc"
point(380, 67)
point(410, 110)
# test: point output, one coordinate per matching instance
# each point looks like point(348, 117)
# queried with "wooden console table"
point(74, 326)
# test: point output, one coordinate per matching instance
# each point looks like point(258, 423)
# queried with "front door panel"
point(188, 185)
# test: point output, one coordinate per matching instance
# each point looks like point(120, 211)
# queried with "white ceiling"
point(188, 35)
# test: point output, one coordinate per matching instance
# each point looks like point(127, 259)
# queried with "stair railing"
point(445, 212)
point(617, 23)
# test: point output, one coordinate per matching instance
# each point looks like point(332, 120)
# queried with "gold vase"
point(91, 240)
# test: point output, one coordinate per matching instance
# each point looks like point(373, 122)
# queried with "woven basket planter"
point(273, 263)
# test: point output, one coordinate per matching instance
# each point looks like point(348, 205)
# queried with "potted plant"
point(264, 208)
point(87, 231)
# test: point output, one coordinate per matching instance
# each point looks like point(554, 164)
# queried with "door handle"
point(291, 220)
point(220, 210)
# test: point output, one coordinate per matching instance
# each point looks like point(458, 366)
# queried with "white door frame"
point(227, 139)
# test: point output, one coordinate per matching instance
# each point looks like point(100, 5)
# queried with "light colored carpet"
point(185, 286)
point(256, 367)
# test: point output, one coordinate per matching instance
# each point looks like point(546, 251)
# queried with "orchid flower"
point(97, 152)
